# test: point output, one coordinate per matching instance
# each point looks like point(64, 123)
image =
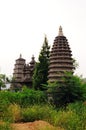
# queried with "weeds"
point(5, 126)
point(11, 110)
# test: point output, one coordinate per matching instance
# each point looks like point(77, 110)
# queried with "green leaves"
point(41, 68)
point(2, 80)
point(72, 89)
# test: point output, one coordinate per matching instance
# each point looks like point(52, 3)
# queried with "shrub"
point(5, 126)
point(24, 98)
point(67, 120)
point(73, 118)
point(80, 109)
point(72, 89)
point(38, 112)
point(31, 97)
point(14, 112)
point(4, 102)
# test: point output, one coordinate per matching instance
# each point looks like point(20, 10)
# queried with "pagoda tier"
point(32, 64)
point(60, 58)
point(26, 73)
point(23, 72)
point(18, 69)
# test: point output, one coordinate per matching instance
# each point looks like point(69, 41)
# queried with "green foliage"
point(41, 68)
point(31, 105)
point(68, 120)
point(72, 89)
point(75, 64)
point(5, 126)
point(38, 112)
point(24, 98)
point(73, 117)
point(10, 102)
point(31, 97)
point(4, 102)
point(13, 113)
point(2, 80)
point(80, 109)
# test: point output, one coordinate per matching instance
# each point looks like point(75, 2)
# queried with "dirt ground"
point(36, 125)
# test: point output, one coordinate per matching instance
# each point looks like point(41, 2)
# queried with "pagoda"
point(60, 58)
point(18, 69)
point(32, 65)
point(23, 72)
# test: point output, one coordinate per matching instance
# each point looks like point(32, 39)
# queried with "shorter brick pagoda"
point(23, 72)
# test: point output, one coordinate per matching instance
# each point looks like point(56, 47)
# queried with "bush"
point(31, 97)
point(14, 111)
point(68, 120)
point(73, 118)
point(80, 109)
point(38, 112)
point(12, 114)
point(4, 102)
point(24, 98)
point(72, 89)
point(5, 126)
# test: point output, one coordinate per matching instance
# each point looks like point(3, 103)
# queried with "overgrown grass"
point(14, 113)
point(24, 98)
point(11, 110)
point(73, 118)
point(5, 126)
point(69, 119)
point(38, 112)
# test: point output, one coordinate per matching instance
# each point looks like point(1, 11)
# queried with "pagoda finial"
point(60, 31)
point(33, 57)
point(20, 55)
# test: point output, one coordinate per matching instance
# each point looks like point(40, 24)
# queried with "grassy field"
point(16, 108)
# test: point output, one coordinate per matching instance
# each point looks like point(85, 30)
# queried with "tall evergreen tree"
point(41, 68)
point(2, 81)
point(72, 89)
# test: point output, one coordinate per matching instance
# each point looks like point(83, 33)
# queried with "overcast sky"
point(23, 24)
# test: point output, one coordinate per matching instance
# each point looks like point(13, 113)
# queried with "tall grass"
point(5, 126)
point(38, 112)
point(24, 98)
point(12, 110)
point(72, 118)
point(68, 120)
point(14, 113)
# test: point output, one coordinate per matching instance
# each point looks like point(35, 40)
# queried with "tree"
point(41, 68)
point(2, 81)
point(75, 64)
point(72, 89)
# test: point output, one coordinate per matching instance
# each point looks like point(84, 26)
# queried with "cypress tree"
point(41, 68)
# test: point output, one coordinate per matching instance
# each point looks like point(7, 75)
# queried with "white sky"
point(23, 24)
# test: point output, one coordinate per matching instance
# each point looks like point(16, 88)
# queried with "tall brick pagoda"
point(60, 58)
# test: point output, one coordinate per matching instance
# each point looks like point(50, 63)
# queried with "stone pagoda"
point(60, 58)
point(23, 72)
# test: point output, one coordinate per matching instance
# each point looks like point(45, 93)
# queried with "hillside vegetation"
point(31, 105)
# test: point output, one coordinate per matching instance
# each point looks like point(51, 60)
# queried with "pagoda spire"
point(60, 31)
point(20, 55)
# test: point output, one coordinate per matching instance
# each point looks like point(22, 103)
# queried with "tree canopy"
point(2, 81)
point(41, 68)
point(72, 89)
